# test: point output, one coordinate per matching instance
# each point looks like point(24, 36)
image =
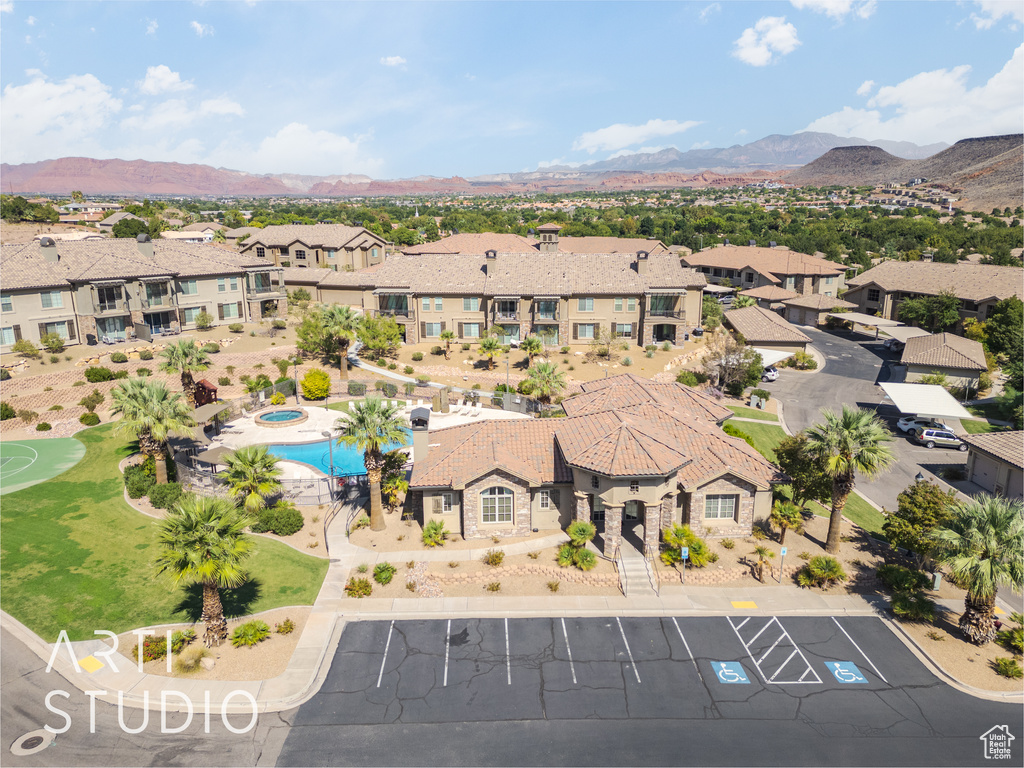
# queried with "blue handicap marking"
point(845, 672)
point(729, 672)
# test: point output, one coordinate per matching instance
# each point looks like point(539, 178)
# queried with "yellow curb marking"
point(90, 664)
point(744, 604)
point(1000, 611)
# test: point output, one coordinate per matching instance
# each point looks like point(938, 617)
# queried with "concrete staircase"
point(635, 572)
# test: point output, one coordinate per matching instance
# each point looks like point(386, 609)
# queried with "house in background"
point(995, 461)
point(764, 329)
point(108, 223)
point(812, 309)
point(769, 296)
point(748, 266)
point(961, 360)
point(333, 246)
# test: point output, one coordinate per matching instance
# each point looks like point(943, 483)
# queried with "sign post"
point(782, 563)
point(684, 553)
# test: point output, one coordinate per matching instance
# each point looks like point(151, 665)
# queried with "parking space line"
point(869, 661)
point(788, 658)
point(765, 654)
point(447, 643)
point(754, 638)
point(508, 657)
point(784, 635)
point(386, 646)
point(627, 649)
point(572, 667)
point(740, 625)
point(688, 651)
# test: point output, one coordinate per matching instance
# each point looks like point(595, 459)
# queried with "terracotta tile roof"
point(945, 350)
point(594, 244)
point(627, 391)
point(575, 274)
point(819, 301)
point(773, 263)
point(620, 443)
point(974, 282)
point(306, 275)
point(203, 226)
point(759, 325)
point(475, 242)
point(770, 293)
point(1005, 446)
point(21, 269)
point(360, 278)
point(312, 235)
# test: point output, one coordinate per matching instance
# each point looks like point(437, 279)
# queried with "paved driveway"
point(742, 690)
point(854, 366)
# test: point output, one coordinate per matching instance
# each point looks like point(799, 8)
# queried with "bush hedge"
point(235, 327)
point(118, 357)
point(89, 419)
point(281, 519)
point(211, 348)
point(43, 426)
point(165, 495)
point(146, 354)
point(417, 356)
point(7, 411)
point(356, 388)
point(95, 374)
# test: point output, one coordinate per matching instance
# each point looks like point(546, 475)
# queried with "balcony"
point(393, 312)
point(669, 313)
point(157, 302)
point(265, 290)
point(545, 316)
point(505, 317)
point(115, 307)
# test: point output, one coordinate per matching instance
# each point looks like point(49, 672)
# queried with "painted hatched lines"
point(777, 658)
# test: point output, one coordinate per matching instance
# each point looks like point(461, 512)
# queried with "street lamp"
point(919, 478)
point(330, 447)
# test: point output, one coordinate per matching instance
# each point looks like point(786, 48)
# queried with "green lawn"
point(765, 436)
point(752, 413)
point(988, 411)
point(75, 556)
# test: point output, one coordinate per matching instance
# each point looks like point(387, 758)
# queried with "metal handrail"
point(620, 566)
point(655, 573)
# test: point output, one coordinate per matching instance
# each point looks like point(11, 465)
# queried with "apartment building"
point(565, 298)
point(548, 240)
point(332, 246)
point(749, 267)
point(111, 290)
point(979, 287)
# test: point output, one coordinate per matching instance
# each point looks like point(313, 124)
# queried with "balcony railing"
point(258, 290)
point(545, 317)
point(393, 312)
point(118, 305)
point(160, 302)
point(505, 316)
point(666, 313)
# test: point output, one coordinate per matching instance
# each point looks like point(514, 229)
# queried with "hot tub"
point(281, 417)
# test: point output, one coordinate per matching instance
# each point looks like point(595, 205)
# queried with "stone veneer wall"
point(473, 528)
point(555, 574)
point(744, 521)
point(712, 575)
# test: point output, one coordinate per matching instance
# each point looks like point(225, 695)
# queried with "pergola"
point(871, 321)
point(925, 400)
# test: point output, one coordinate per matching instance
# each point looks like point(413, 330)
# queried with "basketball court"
point(28, 462)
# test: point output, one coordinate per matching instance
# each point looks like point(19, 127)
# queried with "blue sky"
point(395, 90)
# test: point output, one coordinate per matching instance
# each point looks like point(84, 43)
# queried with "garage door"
point(984, 473)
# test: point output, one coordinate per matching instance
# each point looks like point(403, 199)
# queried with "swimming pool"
point(283, 416)
point(347, 461)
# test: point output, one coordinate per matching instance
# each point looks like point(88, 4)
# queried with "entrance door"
point(546, 515)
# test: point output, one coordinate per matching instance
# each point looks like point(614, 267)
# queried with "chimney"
point(48, 248)
point(772, 244)
point(641, 262)
point(145, 245)
point(419, 422)
point(751, 243)
point(491, 262)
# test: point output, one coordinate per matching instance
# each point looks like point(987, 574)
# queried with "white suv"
point(770, 373)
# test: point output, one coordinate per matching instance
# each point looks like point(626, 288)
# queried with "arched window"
point(496, 505)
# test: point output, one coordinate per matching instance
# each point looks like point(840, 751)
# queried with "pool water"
point(282, 416)
point(347, 460)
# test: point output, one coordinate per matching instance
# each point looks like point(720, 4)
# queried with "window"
point(222, 285)
point(300, 254)
point(426, 303)
point(234, 283)
point(595, 481)
point(156, 293)
point(547, 310)
point(873, 294)
point(586, 304)
point(748, 277)
point(496, 505)
point(52, 299)
point(618, 305)
point(330, 253)
point(431, 329)
point(631, 304)
point(597, 514)
point(189, 314)
point(6, 305)
point(716, 272)
point(544, 499)
point(585, 331)
point(471, 330)
point(828, 280)
point(229, 310)
point(719, 507)
point(373, 253)
point(624, 330)
point(61, 328)
point(470, 304)
point(634, 486)
point(188, 287)
point(261, 252)
point(7, 336)
point(791, 282)
point(630, 510)
point(438, 304)
point(447, 502)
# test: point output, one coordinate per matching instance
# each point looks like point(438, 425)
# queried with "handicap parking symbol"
point(729, 672)
point(845, 672)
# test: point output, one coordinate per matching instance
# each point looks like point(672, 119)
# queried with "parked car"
point(698, 331)
point(930, 438)
point(771, 373)
point(916, 424)
point(727, 299)
point(894, 344)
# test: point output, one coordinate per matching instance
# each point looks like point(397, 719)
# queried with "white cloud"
point(31, 21)
point(700, 144)
point(557, 161)
point(160, 79)
point(392, 61)
point(221, 106)
point(43, 118)
point(175, 114)
point(6, 6)
point(620, 135)
point(759, 43)
point(203, 30)
point(708, 11)
point(742, 132)
point(993, 10)
point(865, 87)
point(151, 27)
point(639, 151)
point(937, 106)
point(838, 9)
point(297, 148)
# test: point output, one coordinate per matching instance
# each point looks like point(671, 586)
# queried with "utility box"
point(419, 423)
point(936, 581)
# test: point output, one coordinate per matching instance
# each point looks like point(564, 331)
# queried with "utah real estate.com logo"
point(997, 742)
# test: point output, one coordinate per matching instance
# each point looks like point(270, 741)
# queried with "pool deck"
point(244, 431)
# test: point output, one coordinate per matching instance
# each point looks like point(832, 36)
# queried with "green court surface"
point(29, 462)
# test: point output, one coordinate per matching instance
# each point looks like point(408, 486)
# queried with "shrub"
point(52, 342)
point(764, 394)
point(5, 375)
point(665, 347)
point(580, 532)
point(96, 374)
point(279, 325)
point(286, 627)
point(43, 426)
point(648, 354)
point(224, 381)
point(900, 579)
point(728, 543)
point(913, 606)
point(316, 384)
point(802, 361)
point(25, 348)
point(409, 388)
point(249, 634)
point(525, 387)
point(735, 388)
point(383, 573)
point(627, 361)
point(437, 350)
point(494, 586)
point(417, 356)
point(729, 429)
point(143, 372)
point(356, 388)
point(1007, 667)
point(679, 536)
point(118, 357)
point(821, 571)
point(89, 419)
point(204, 320)
point(1013, 639)
point(155, 647)
point(434, 533)
point(565, 350)
point(382, 362)
point(27, 416)
point(165, 495)
point(211, 348)
point(282, 519)
point(235, 327)
point(553, 585)
point(191, 659)
point(55, 408)
point(691, 378)
point(585, 560)
point(7, 411)
point(137, 481)
point(146, 354)
point(494, 557)
point(392, 366)
point(423, 379)
point(466, 347)
point(359, 588)
point(54, 358)
point(277, 399)
point(360, 522)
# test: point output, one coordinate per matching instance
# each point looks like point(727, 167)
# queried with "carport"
point(869, 321)
point(904, 333)
point(925, 400)
point(772, 356)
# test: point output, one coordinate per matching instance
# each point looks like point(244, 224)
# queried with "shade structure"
point(862, 319)
point(925, 400)
point(206, 412)
point(905, 332)
point(772, 356)
point(214, 455)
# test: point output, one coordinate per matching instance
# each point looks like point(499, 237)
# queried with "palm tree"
point(532, 346)
point(983, 547)
point(203, 542)
point(342, 323)
point(447, 337)
point(763, 556)
point(490, 347)
point(372, 427)
point(547, 381)
point(151, 414)
point(744, 301)
point(850, 442)
point(185, 357)
point(252, 476)
point(786, 516)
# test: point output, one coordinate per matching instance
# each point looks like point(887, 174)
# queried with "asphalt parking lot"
point(598, 691)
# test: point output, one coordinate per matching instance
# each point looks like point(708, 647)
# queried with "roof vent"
point(772, 244)
point(751, 243)
point(143, 238)
point(48, 247)
point(47, 242)
point(145, 245)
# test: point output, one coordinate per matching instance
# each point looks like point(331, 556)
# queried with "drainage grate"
point(32, 742)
